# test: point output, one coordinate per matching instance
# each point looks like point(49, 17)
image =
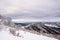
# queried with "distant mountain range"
point(27, 23)
point(23, 24)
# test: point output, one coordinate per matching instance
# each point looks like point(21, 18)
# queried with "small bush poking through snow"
point(12, 30)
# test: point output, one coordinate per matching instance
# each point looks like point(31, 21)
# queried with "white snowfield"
point(51, 25)
point(6, 35)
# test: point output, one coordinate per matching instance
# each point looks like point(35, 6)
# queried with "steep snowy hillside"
point(6, 35)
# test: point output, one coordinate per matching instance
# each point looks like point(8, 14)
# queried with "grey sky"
point(30, 8)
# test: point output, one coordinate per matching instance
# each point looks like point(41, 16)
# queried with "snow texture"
point(6, 35)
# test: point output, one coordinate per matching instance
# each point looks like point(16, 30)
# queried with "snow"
point(51, 25)
point(6, 35)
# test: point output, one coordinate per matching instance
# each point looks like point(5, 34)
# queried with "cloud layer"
point(30, 8)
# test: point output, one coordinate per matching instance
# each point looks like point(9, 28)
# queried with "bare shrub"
point(12, 30)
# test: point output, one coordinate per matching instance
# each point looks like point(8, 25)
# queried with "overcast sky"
point(31, 9)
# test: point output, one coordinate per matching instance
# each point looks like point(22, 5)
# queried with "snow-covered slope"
point(51, 25)
point(6, 35)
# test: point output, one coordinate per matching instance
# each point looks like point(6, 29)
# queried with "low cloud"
point(30, 8)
